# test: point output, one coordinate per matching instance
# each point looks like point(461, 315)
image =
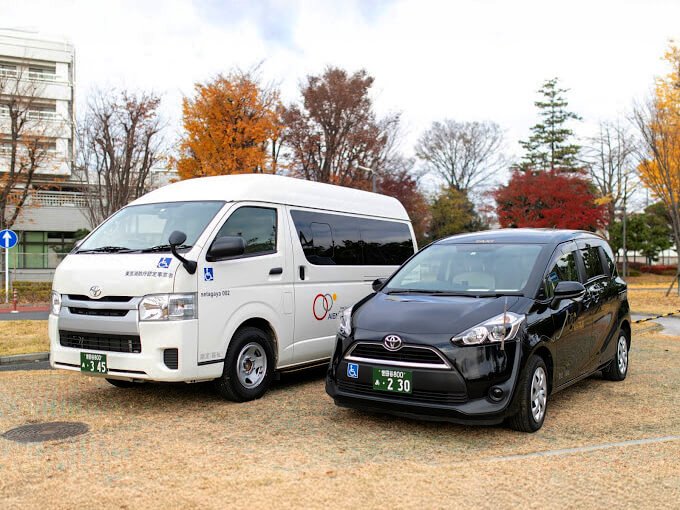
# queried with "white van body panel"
point(300, 314)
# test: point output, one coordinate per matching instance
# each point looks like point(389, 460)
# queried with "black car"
point(481, 328)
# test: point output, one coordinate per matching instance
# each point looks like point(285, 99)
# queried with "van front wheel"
point(248, 366)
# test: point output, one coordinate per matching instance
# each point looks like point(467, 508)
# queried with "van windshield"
point(467, 269)
point(146, 228)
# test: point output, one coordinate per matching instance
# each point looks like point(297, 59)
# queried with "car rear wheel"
point(248, 366)
point(618, 368)
point(531, 397)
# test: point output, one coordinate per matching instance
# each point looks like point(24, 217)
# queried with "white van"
point(227, 278)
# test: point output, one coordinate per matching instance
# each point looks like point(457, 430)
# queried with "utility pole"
point(373, 176)
point(625, 251)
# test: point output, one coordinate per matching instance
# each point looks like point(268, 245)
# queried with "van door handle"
point(302, 272)
point(276, 270)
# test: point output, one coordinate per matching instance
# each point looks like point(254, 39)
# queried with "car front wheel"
point(531, 397)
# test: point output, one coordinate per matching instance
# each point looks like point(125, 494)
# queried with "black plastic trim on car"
point(106, 342)
point(171, 358)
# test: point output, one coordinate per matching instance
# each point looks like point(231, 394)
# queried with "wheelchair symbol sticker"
point(164, 263)
point(353, 370)
point(208, 274)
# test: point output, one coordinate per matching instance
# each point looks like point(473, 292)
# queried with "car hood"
point(418, 314)
point(128, 274)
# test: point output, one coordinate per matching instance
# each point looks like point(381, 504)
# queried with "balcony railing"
point(9, 73)
point(51, 154)
point(32, 75)
point(53, 199)
point(35, 115)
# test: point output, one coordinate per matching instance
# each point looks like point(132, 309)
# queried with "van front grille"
point(109, 299)
point(101, 312)
point(100, 341)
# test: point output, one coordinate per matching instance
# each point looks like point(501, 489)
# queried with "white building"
point(55, 209)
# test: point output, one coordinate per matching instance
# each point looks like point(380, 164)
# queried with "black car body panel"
point(477, 383)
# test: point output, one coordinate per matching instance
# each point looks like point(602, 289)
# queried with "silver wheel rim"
point(251, 365)
point(539, 394)
point(622, 354)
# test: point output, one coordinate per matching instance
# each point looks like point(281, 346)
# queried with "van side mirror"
point(225, 247)
point(378, 284)
point(177, 238)
point(568, 290)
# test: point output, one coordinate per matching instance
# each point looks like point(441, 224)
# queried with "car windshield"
point(140, 228)
point(467, 269)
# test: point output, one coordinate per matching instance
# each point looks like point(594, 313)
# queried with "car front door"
point(596, 303)
point(569, 331)
point(255, 285)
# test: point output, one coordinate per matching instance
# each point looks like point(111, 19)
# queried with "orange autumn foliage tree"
point(658, 121)
point(231, 126)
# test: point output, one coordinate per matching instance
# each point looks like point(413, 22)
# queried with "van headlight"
point(55, 303)
point(345, 326)
point(494, 330)
point(167, 307)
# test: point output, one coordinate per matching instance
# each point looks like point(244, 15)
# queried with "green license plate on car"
point(93, 363)
point(393, 380)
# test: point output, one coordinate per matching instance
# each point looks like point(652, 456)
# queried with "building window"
point(41, 250)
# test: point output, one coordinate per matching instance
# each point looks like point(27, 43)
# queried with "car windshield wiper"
point(107, 249)
point(164, 247)
point(418, 291)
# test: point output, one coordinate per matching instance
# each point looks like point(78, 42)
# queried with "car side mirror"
point(378, 284)
point(568, 290)
point(226, 247)
point(177, 238)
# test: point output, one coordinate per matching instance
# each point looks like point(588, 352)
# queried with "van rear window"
point(335, 239)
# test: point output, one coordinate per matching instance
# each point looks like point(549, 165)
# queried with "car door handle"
point(276, 270)
point(302, 272)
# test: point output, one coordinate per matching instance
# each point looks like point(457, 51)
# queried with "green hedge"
point(31, 292)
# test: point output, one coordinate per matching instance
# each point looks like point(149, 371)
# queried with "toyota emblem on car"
point(392, 342)
point(95, 291)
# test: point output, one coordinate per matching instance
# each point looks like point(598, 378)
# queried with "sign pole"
point(6, 275)
point(9, 240)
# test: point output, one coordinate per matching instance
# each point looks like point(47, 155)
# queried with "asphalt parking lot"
point(603, 444)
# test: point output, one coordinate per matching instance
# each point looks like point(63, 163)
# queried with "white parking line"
point(583, 449)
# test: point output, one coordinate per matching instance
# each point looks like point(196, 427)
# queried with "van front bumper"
point(148, 364)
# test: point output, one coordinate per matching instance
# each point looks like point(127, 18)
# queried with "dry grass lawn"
point(20, 337)
point(652, 301)
point(649, 280)
point(181, 446)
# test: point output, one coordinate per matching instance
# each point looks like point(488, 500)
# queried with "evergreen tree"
point(452, 213)
point(549, 147)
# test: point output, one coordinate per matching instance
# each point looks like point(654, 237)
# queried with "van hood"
point(125, 274)
point(418, 314)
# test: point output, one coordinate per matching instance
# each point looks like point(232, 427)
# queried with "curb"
point(24, 358)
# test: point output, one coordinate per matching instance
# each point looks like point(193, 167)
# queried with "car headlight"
point(167, 307)
point(345, 326)
point(55, 303)
point(502, 327)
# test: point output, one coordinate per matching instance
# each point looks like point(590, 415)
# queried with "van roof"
point(279, 190)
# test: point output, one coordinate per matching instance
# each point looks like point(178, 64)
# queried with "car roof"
point(278, 189)
point(520, 235)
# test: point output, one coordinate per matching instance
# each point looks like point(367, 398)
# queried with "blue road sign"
point(8, 238)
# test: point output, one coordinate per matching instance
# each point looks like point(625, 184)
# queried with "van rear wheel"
point(248, 366)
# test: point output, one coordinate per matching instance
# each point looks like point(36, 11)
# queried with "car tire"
point(120, 383)
point(618, 368)
point(531, 398)
point(248, 366)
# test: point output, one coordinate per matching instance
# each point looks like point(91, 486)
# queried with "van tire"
point(534, 377)
point(250, 348)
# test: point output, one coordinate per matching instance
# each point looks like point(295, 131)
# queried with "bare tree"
point(610, 160)
point(27, 141)
point(463, 154)
point(118, 144)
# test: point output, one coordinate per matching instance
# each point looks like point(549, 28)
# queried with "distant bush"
point(31, 292)
point(659, 269)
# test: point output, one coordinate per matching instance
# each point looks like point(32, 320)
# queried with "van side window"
point(592, 262)
point(564, 270)
point(256, 225)
point(353, 241)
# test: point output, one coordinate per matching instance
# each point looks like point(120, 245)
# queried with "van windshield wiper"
point(164, 247)
point(107, 249)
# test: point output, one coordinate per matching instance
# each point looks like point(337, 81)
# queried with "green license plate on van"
point(393, 380)
point(93, 363)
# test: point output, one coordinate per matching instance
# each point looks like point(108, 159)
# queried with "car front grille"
point(408, 355)
point(105, 299)
point(100, 341)
point(427, 397)
point(100, 312)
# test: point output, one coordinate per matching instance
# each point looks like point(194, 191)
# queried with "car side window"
point(592, 262)
point(610, 263)
point(564, 270)
point(257, 227)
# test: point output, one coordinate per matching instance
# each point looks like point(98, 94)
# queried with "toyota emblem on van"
point(95, 291)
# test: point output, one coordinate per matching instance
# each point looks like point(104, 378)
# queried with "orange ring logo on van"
point(323, 303)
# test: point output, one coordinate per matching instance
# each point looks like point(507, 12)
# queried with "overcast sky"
point(466, 60)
